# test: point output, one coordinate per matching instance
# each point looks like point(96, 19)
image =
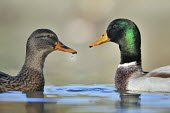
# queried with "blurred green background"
point(78, 23)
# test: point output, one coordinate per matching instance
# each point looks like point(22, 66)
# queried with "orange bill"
point(101, 40)
point(60, 46)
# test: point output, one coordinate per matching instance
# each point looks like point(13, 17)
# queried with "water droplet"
point(72, 57)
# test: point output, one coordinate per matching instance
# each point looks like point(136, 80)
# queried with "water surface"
point(98, 98)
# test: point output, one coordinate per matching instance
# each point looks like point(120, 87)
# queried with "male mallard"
point(31, 78)
point(129, 75)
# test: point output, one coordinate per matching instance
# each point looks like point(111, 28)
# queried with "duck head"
point(126, 34)
point(46, 40)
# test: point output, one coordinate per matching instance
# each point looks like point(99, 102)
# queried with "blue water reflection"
point(100, 98)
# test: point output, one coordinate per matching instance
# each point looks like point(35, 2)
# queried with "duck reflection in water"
point(36, 103)
point(129, 102)
point(34, 107)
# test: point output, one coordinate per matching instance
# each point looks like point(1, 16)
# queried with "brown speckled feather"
point(29, 80)
point(124, 73)
point(160, 75)
point(5, 79)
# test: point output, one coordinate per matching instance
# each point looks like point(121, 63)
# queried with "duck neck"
point(34, 61)
point(128, 56)
point(130, 61)
point(130, 46)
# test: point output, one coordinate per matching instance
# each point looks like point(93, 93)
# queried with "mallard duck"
point(129, 74)
point(30, 78)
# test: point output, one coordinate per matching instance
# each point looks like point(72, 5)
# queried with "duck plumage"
point(129, 74)
point(30, 78)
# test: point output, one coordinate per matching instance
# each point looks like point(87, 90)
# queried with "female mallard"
point(31, 78)
point(129, 74)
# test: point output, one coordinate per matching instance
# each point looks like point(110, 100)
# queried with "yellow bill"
point(101, 40)
point(60, 46)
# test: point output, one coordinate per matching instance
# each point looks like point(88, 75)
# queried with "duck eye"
point(48, 36)
point(115, 26)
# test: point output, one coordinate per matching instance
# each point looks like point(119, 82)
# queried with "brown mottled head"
point(46, 40)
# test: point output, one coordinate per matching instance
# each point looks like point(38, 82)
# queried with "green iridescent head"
point(125, 33)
